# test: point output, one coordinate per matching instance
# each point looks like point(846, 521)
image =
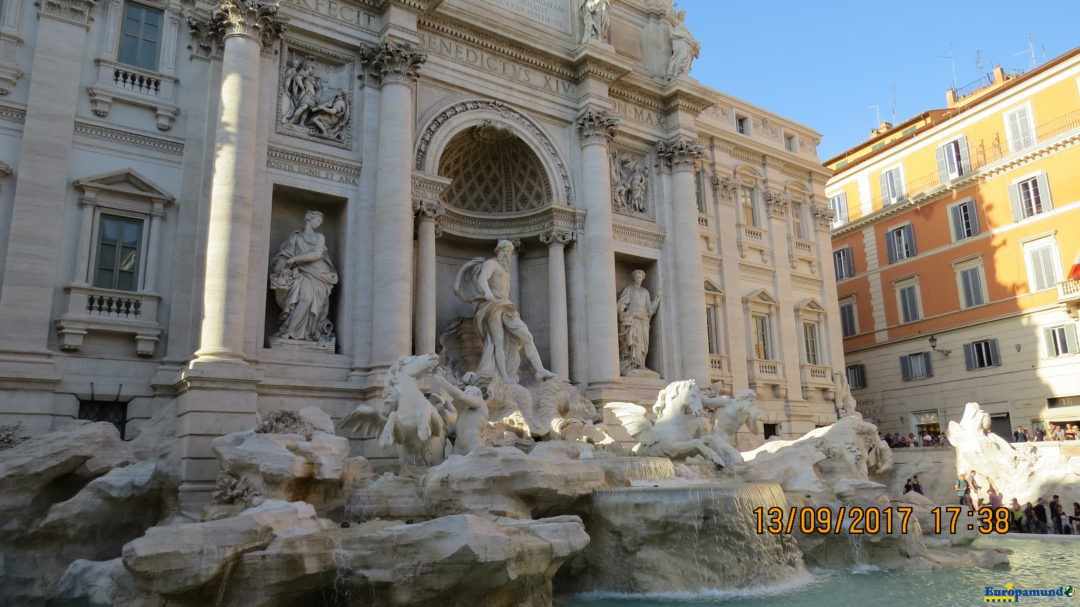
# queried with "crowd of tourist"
point(1044, 516)
point(1053, 432)
point(897, 440)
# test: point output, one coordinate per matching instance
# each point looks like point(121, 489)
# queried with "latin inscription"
point(638, 114)
point(552, 13)
point(480, 59)
point(338, 10)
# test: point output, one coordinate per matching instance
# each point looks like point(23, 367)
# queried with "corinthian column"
point(597, 129)
point(427, 214)
point(556, 241)
point(248, 26)
point(395, 66)
point(681, 155)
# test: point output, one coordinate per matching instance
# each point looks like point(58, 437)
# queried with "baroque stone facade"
point(152, 185)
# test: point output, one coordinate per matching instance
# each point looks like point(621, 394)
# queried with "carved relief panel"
point(631, 184)
point(316, 94)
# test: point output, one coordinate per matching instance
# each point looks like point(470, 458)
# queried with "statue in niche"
point(308, 103)
point(684, 47)
point(485, 283)
point(636, 309)
point(596, 19)
point(302, 277)
point(630, 182)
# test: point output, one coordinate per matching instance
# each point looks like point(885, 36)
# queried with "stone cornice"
point(512, 225)
point(634, 94)
point(128, 138)
point(393, 62)
point(255, 19)
point(651, 238)
point(596, 126)
point(320, 166)
point(593, 61)
point(681, 95)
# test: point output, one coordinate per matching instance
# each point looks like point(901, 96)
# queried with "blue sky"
point(825, 63)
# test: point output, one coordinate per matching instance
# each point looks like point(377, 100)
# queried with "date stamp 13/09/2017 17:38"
point(858, 520)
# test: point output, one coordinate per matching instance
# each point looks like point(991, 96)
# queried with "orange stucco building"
point(953, 238)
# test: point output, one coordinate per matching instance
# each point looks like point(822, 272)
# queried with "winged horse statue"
point(678, 414)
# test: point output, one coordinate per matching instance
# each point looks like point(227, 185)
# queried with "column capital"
point(428, 210)
point(777, 204)
point(557, 237)
point(393, 62)
point(824, 216)
point(206, 38)
point(255, 19)
point(75, 11)
point(596, 126)
point(680, 153)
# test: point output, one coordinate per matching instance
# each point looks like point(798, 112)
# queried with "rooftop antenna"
point(877, 113)
point(1030, 52)
point(952, 60)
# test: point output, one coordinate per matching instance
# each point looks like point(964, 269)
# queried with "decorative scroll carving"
point(824, 216)
point(70, 10)
point(630, 184)
point(777, 204)
point(557, 236)
point(393, 62)
point(597, 126)
point(680, 154)
point(255, 19)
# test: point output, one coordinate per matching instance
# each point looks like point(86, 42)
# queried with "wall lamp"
point(933, 346)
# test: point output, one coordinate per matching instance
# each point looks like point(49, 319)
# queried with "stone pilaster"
point(428, 211)
point(597, 129)
point(682, 155)
point(557, 239)
point(396, 67)
point(515, 271)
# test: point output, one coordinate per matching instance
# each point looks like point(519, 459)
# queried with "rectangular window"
point(843, 263)
point(699, 191)
point(105, 411)
point(117, 264)
point(1030, 197)
point(909, 303)
point(892, 187)
point(965, 221)
point(742, 124)
point(1019, 129)
point(140, 36)
point(900, 243)
point(972, 289)
point(1042, 263)
point(856, 376)
point(810, 343)
point(982, 354)
point(916, 366)
point(1060, 340)
point(711, 328)
point(798, 220)
point(953, 160)
point(838, 204)
point(749, 208)
point(762, 339)
point(847, 319)
point(790, 144)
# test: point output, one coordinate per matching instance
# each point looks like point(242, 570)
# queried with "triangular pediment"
point(125, 182)
point(762, 296)
point(810, 304)
point(710, 287)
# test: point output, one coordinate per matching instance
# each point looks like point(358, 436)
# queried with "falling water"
point(635, 470)
point(690, 538)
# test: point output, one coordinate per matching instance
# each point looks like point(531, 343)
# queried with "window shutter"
point(976, 287)
point(965, 160)
point(909, 240)
point(1044, 192)
point(969, 356)
point(905, 368)
point(995, 353)
point(849, 263)
point(973, 217)
point(1014, 201)
point(942, 164)
point(928, 364)
point(957, 222)
point(1048, 339)
point(1070, 338)
point(841, 211)
point(890, 244)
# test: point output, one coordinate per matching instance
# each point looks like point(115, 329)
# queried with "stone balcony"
point(816, 377)
point(118, 82)
point(764, 373)
point(719, 368)
point(111, 311)
point(1069, 296)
